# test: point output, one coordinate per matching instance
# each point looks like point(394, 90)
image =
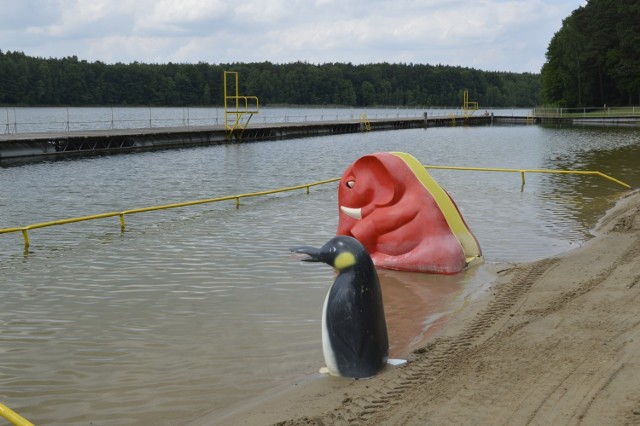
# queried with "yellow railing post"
point(25, 237)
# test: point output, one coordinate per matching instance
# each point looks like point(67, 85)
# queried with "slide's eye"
point(351, 183)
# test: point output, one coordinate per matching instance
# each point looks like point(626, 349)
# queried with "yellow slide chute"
point(456, 223)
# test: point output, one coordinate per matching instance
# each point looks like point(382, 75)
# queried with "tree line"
point(26, 80)
point(594, 59)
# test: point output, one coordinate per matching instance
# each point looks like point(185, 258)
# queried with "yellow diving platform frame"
point(469, 106)
point(238, 110)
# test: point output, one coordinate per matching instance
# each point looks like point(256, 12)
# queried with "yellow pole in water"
point(13, 417)
point(25, 236)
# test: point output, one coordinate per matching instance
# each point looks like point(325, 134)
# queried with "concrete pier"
point(36, 146)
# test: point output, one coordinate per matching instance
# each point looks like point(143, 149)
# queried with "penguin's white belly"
point(327, 350)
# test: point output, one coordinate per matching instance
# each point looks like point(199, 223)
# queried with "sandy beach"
point(556, 341)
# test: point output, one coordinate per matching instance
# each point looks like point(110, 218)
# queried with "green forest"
point(26, 80)
point(594, 59)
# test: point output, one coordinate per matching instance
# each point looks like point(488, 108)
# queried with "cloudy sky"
point(497, 35)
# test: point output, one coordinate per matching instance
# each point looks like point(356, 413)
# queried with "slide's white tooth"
point(351, 212)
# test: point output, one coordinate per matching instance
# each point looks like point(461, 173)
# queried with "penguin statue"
point(354, 331)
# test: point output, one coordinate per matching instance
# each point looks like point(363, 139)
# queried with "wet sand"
point(554, 342)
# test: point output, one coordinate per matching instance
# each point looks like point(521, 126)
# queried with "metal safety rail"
point(13, 417)
point(523, 171)
point(25, 229)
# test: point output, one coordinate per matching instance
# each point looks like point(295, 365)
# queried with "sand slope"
point(557, 342)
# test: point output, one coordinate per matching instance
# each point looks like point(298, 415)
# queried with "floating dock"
point(29, 147)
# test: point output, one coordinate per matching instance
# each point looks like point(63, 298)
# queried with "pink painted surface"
point(400, 223)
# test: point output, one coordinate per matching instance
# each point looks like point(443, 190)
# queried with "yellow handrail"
point(523, 171)
point(25, 229)
point(364, 120)
point(13, 417)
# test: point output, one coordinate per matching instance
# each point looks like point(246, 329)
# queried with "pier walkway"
point(27, 147)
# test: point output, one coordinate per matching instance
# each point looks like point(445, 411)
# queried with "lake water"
point(202, 309)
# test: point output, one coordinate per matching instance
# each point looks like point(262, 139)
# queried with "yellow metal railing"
point(587, 112)
point(364, 120)
point(25, 229)
point(13, 417)
point(469, 105)
point(531, 118)
point(523, 171)
point(453, 118)
point(236, 106)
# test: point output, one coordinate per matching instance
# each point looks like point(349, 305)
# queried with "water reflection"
point(417, 306)
point(610, 150)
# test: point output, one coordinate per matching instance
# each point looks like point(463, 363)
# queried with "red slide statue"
point(404, 219)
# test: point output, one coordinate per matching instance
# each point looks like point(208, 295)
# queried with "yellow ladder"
point(469, 105)
point(364, 120)
point(236, 107)
point(531, 119)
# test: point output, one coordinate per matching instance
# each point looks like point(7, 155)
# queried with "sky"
point(491, 35)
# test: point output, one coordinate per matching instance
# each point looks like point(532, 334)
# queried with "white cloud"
point(186, 11)
point(484, 34)
point(265, 12)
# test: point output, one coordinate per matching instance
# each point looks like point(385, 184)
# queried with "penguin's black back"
point(355, 320)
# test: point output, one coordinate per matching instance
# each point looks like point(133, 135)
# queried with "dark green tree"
point(595, 57)
point(26, 80)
